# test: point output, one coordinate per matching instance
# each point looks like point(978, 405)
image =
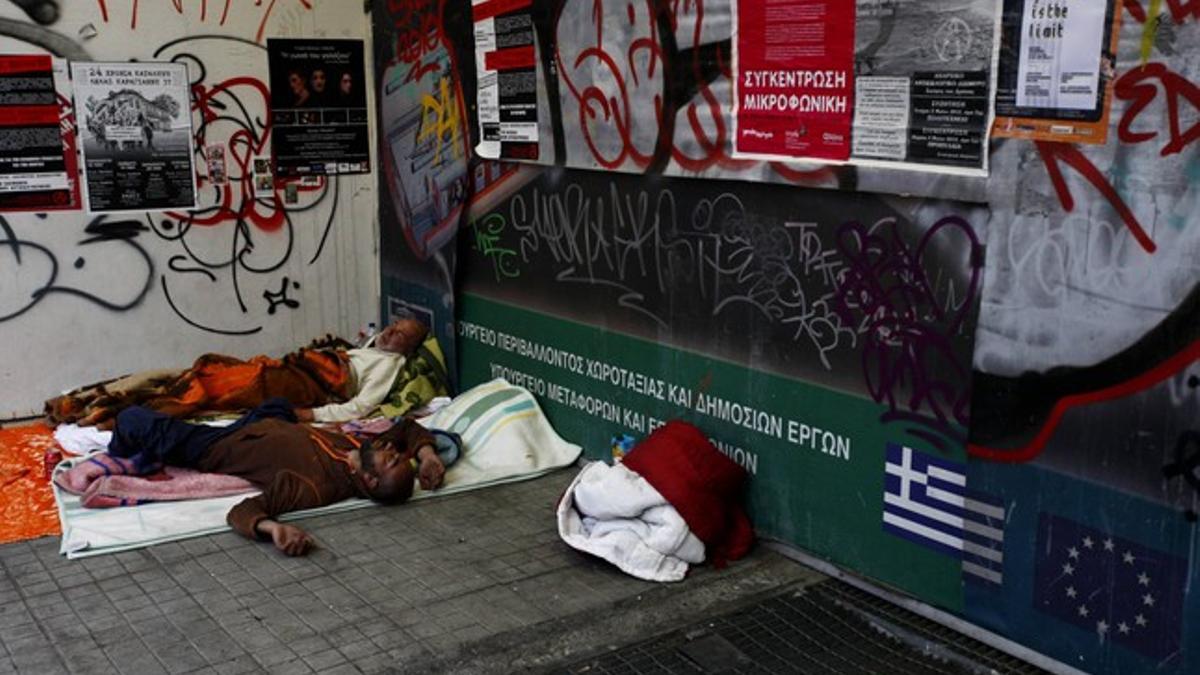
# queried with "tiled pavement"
point(469, 583)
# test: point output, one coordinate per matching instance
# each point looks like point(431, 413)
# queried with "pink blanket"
point(368, 428)
point(105, 481)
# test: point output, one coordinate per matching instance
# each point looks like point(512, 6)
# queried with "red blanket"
point(703, 485)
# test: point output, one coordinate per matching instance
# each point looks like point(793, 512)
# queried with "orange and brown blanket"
point(215, 383)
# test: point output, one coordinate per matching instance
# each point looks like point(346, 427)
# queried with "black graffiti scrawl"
point(102, 242)
point(871, 296)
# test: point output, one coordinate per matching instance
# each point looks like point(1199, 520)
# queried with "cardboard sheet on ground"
point(506, 438)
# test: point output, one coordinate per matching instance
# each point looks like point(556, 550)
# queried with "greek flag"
point(926, 501)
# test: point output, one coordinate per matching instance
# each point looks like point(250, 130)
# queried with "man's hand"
point(304, 415)
point(431, 471)
point(291, 540)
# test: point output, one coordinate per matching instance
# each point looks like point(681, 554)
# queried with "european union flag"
point(1123, 592)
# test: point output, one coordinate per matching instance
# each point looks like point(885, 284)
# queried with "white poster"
point(135, 127)
point(1061, 42)
point(881, 117)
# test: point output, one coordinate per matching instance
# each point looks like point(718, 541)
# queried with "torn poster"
point(264, 177)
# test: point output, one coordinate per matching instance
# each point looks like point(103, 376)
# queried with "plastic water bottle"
point(364, 336)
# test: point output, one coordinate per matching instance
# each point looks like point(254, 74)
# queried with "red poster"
point(794, 78)
point(38, 167)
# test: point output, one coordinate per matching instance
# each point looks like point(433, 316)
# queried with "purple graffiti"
point(909, 324)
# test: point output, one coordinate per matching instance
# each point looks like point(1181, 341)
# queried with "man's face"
point(388, 467)
point(401, 337)
point(318, 81)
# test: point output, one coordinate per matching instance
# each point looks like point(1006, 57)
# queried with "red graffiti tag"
point(1142, 382)
point(237, 201)
point(612, 82)
point(418, 28)
point(1137, 86)
point(712, 145)
point(1052, 153)
point(598, 105)
point(1180, 10)
point(179, 8)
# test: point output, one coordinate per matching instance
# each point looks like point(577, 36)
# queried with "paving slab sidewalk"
point(477, 582)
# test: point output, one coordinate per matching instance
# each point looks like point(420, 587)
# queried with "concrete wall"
point(240, 276)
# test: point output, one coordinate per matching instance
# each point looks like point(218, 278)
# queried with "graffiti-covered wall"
point(85, 297)
point(1086, 356)
point(981, 392)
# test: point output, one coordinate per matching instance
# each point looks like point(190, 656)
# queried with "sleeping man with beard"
point(297, 466)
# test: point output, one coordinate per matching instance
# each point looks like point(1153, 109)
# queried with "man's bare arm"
point(430, 470)
point(254, 517)
point(290, 539)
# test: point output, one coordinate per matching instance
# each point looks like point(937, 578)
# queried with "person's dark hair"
point(388, 491)
point(398, 491)
point(394, 435)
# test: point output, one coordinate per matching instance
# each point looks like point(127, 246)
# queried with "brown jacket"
point(291, 468)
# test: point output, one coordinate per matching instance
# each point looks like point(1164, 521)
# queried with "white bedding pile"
point(613, 513)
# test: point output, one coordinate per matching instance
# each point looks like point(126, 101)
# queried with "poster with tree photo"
point(135, 127)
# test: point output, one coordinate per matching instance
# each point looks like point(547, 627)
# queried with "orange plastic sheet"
point(26, 501)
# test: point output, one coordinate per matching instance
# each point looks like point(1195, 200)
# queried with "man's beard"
point(367, 454)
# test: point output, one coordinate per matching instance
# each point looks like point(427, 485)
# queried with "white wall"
point(107, 311)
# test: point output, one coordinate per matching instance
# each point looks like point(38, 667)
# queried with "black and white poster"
point(924, 81)
point(949, 117)
point(318, 107)
point(135, 126)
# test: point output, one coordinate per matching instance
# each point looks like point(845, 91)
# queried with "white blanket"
point(612, 512)
point(79, 440)
point(506, 438)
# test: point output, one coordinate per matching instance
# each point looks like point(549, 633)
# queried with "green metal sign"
point(815, 459)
